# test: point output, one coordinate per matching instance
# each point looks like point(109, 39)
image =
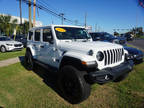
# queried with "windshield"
point(5, 39)
point(101, 36)
point(95, 36)
point(107, 35)
point(64, 33)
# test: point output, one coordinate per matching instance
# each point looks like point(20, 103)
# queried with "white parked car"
point(7, 44)
point(78, 60)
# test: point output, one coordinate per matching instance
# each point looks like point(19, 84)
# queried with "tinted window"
point(95, 36)
point(37, 35)
point(5, 39)
point(30, 35)
point(47, 35)
point(71, 33)
point(1, 39)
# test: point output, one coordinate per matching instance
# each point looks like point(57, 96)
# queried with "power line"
point(48, 5)
point(44, 3)
point(45, 8)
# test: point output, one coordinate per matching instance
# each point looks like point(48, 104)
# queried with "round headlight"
point(100, 56)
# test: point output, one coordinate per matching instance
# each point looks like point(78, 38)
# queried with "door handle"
point(42, 46)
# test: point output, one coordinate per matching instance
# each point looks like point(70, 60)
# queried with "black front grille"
point(17, 45)
point(113, 56)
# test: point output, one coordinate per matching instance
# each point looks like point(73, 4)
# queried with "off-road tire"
point(72, 84)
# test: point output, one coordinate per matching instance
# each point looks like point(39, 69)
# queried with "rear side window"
point(47, 35)
point(37, 35)
point(30, 35)
point(1, 39)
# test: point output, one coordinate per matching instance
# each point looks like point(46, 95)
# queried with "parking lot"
point(138, 43)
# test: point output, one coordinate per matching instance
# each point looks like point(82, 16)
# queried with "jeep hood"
point(86, 46)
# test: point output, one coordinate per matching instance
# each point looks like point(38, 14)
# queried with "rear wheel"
point(72, 84)
point(29, 60)
point(3, 49)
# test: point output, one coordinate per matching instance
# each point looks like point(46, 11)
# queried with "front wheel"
point(72, 84)
point(3, 49)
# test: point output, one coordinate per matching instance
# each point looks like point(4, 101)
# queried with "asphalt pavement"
point(138, 43)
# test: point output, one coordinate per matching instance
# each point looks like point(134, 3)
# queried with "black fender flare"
point(77, 63)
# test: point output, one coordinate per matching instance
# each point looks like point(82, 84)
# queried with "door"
point(37, 42)
point(47, 48)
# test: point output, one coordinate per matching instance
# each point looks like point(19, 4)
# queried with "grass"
point(141, 37)
point(20, 88)
point(130, 92)
point(13, 54)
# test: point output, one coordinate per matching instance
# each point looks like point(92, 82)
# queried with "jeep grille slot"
point(113, 56)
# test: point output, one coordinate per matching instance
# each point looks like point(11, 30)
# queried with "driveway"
point(11, 61)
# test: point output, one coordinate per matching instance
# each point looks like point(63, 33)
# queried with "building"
point(38, 23)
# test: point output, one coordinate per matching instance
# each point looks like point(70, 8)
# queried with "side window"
point(47, 35)
point(30, 35)
point(37, 35)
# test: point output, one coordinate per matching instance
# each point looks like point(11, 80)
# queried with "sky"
point(102, 15)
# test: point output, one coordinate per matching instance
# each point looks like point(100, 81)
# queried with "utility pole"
point(30, 24)
point(62, 15)
point(34, 13)
point(20, 12)
point(85, 20)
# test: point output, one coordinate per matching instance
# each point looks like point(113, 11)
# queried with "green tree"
point(25, 27)
point(7, 25)
point(22, 29)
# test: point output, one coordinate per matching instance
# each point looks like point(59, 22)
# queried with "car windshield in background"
point(64, 33)
point(101, 36)
point(107, 35)
point(5, 39)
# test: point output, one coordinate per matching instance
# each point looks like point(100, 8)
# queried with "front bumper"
point(14, 48)
point(110, 74)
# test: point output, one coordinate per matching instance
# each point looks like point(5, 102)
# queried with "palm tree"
point(25, 27)
point(7, 25)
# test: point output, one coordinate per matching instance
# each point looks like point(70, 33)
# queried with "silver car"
point(7, 44)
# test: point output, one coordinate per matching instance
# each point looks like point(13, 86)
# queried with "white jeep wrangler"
point(78, 60)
